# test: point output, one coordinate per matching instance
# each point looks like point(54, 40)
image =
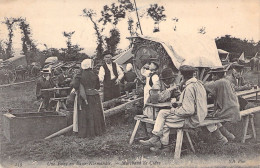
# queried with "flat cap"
point(167, 73)
point(218, 69)
point(187, 68)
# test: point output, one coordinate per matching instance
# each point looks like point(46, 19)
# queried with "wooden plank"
point(134, 132)
point(245, 129)
point(121, 108)
point(177, 153)
point(253, 126)
point(190, 142)
point(250, 111)
point(60, 132)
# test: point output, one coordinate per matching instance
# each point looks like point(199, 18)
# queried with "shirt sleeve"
point(101, 74)
point(188, 107)
point(156, 81)
point(120, 72)
point(145, 72)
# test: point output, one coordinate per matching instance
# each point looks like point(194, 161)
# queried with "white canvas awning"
point(196, 50)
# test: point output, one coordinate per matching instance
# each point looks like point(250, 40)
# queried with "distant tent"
point(224, 56)
point(17, 60)
point(123, 57)
point(242, 57)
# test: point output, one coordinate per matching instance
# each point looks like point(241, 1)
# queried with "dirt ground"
point(112, 148)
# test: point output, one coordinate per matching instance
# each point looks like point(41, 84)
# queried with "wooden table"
point(248, 92)
point(54, 98)
point(159, 105)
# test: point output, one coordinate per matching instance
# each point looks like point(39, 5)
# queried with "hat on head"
point(106, 53)
point(217, 69)
point(46, 71)
point(187, 68)
point(238, 65)
point(86, 64)
point(167, 73)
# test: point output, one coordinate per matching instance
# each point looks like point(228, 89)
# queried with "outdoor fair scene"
point(129, 83)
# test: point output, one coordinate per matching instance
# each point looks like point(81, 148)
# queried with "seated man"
point(191, 111)
point(225, 104)
point(168, 86)
point(44, 82)
point(236, 78)
point(63, 80)
point(238, 82)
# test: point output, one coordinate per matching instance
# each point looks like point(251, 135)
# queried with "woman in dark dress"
point(91, 120)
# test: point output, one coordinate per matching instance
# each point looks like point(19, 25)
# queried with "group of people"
point(90, 118)
point(189, 98)
point(189, 101)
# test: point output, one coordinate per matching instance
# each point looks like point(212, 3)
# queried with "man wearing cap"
point(168, 86)
point(236, 78)
point(110, 74)
point(226, 106)
point(44, 82)
point(190, 112)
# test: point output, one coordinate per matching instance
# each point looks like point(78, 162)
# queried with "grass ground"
point(112, 148)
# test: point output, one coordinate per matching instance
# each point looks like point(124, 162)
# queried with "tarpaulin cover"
point(197, 50)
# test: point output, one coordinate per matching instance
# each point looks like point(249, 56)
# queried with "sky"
point(49, 18)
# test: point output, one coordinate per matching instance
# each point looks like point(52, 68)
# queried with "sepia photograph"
point(129, 83)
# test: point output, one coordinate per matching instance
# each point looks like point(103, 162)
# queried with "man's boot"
point(152, 141)
point(226, 133)
point(221, 140)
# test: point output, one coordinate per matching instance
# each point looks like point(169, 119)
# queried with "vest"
point(107, 76)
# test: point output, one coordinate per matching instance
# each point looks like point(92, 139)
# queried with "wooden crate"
point(33, 125)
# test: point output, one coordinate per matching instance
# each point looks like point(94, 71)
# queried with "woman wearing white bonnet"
point(129, 78)
point(90, 118)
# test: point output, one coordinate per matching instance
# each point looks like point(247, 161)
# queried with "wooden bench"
point(245, 113)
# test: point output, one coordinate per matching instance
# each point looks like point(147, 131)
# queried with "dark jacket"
point(42, 83)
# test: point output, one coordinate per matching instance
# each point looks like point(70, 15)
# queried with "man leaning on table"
point(190, 112)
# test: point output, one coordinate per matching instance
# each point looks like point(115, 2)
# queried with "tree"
point(2, 50)
point(113, 40)
point(71, 53)
point(27, 42)
point(89, 13)
point(237, 46)
point(10, 22)
point(156, 12)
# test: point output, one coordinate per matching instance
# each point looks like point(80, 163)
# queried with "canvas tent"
point(196, 50)
point(124, 57)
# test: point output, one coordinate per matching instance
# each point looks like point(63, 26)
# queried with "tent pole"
point(138, 18)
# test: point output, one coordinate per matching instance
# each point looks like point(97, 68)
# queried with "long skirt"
point(91, 120)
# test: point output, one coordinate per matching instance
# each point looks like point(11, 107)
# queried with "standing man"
point(44, 82)
point(110, 74)
point(190, 112)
